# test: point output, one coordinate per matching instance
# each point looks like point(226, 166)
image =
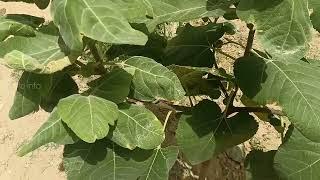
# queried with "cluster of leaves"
point(107, 136)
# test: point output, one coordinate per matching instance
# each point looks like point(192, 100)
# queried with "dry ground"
point(44, 163)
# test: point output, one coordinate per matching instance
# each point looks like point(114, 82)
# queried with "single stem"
point(250, 40)
point(233, 42)
point(94, 51)
point(191, 102)
point(166, 120)
point(257, 109)
point(223, 89)
point(225, 54)
point(80, 63)
point(229, 105)
point(216, 20)
point(162, 105)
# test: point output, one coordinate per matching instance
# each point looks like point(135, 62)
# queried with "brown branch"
point(256, 109)
point(250, 40)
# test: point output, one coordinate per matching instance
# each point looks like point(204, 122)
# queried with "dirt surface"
point(43, 163)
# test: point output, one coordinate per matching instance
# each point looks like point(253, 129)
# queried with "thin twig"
point(94, 51)
point(233, 42)
point(225, 54)
point(166, 120)
point(223, 89)
point(79, 63)
point(229, 105)
point(257, 109)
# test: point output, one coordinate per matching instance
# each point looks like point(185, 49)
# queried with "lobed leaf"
point(53, 130)
point(286, 36)
point(114, 86)
point(204, 133)
point(44, 54)
point(137, 127)
point(298, 157)
point(193, 46)
point(289, 83)
point(43, 90)
point(101, 20)
point(184, 10)
point(88, 117)
point(153, 81)
point(18, 25)
point(104, 160)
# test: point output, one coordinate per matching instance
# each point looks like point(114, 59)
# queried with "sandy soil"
point(43, 163)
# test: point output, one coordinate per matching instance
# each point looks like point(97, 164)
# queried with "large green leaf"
point(137, 127)
point(45, 53)
point(284, 36)
point(114, 86)
point(158, 166)
point(105, 161)
point(193, 46)
point(153, 81)
point(204, 133)
point(292, 84)
point(102, 20)
point(18, 25)
point(88, 116)
point(298, 158)
point(315, 16)
point(259, 165)
point(43, 90)
point(53, 130)
point(184, 10)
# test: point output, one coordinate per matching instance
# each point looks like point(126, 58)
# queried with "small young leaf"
point(88, 117)
point(54, 130)
point(153, 81)
point(204, 133)
point(137, 127)
point(105, 160)
point(283, 26)
point(289, 83)
point(114, 86)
